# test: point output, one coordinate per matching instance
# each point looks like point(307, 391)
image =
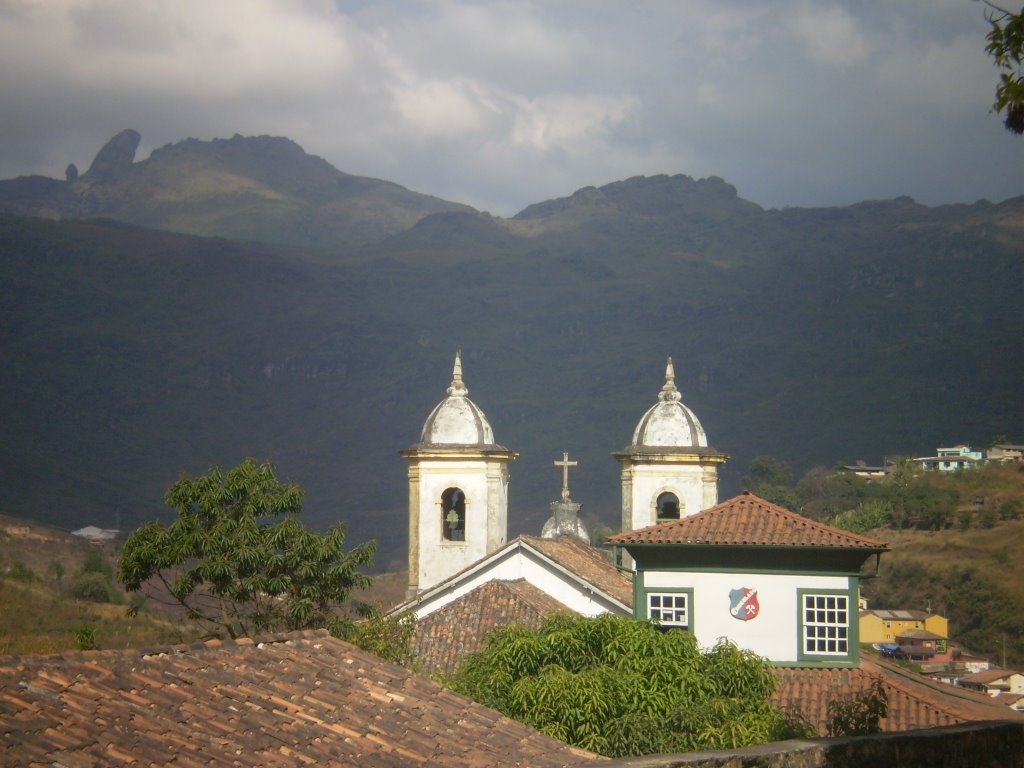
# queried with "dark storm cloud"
point(506, 103)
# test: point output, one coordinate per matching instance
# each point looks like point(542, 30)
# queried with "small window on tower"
point(668, 507)
point(453, 514)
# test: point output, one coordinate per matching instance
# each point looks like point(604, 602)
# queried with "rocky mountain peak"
point(116, 157)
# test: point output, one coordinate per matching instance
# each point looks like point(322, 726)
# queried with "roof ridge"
point(895, 670)
point(720, 521)
point(152, 651)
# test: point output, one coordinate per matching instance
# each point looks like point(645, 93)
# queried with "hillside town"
point(770, 581)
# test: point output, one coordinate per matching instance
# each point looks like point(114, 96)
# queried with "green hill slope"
point(256, 188)
point(968, 576)
point(812, 335)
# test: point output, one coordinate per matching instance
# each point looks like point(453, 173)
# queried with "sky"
point(504, 104)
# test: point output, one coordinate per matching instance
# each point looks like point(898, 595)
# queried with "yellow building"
point(884, 626)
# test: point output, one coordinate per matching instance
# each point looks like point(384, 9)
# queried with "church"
point(745, 569)
point(768, 579)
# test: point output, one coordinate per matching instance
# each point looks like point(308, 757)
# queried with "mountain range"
point(240, 297)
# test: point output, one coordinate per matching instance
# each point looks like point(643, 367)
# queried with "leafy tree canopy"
point(239, 561)
point(859, 714)
point(771, 479)
point(622, 687)
point(1006, 47)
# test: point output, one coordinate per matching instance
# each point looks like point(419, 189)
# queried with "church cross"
point(565, 464)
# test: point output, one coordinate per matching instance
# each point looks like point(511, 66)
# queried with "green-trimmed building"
point(772, 581)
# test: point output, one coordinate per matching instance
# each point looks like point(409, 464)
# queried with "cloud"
point(829, 34)
point(501, 104)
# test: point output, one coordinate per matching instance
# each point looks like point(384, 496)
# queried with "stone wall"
point(996, 744)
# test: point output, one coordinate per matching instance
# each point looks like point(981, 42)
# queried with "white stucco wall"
point(519, 562)
point(486, 487)
point(648, 481)
point(774, 633)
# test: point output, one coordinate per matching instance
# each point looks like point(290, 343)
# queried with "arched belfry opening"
point(453, 514)
point(667, 505)
point(458, 489)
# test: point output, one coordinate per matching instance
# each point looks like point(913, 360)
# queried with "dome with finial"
point(457, 421)
point(668, 423)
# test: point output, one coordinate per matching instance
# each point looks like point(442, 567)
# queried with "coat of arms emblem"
point(743, 603)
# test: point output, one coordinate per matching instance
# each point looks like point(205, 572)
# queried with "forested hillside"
point(813, 335)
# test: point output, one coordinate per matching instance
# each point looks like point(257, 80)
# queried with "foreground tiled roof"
point(587, 562)
point(302, 698)
point(447, 635)
point(914, 700)
point(747, 520)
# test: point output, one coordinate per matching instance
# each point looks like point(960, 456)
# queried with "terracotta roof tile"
point(449, 634)
point(747, 520)
point(915, 701)
point(988, 675)
point(587, 562)
point(287, 700)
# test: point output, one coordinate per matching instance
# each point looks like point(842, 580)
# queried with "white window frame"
point(678, 603)
point(825, 624)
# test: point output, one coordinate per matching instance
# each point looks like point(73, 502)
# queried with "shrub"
point(94, 587)
point(85, 637)
point(21, 572)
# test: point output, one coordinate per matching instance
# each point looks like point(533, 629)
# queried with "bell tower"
point(458, 489)
point(668, 471)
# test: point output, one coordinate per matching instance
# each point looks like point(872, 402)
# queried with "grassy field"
point(39, 619)
point(39, 567)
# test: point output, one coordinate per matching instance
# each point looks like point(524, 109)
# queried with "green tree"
point(57, 569)
point(96, 563)
point(621, 687)
point(21, 572)
point(771, 479)
point(900, 479)
point(1006, 47)
point(859, 714)
point(825, 493)
point(238, 559)
point(388, 636)
point(869, 514)
point(93, 587)
point(85, 637)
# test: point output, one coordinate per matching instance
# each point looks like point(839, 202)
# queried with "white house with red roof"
point(772, 581)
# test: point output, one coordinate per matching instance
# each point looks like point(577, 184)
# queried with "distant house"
point(1014, 701)
point(994, 681)
point(1005, 452)
point(951, 459)
point(920, 644)
point(861, 469)
point(880, 625)
point(96, 535)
